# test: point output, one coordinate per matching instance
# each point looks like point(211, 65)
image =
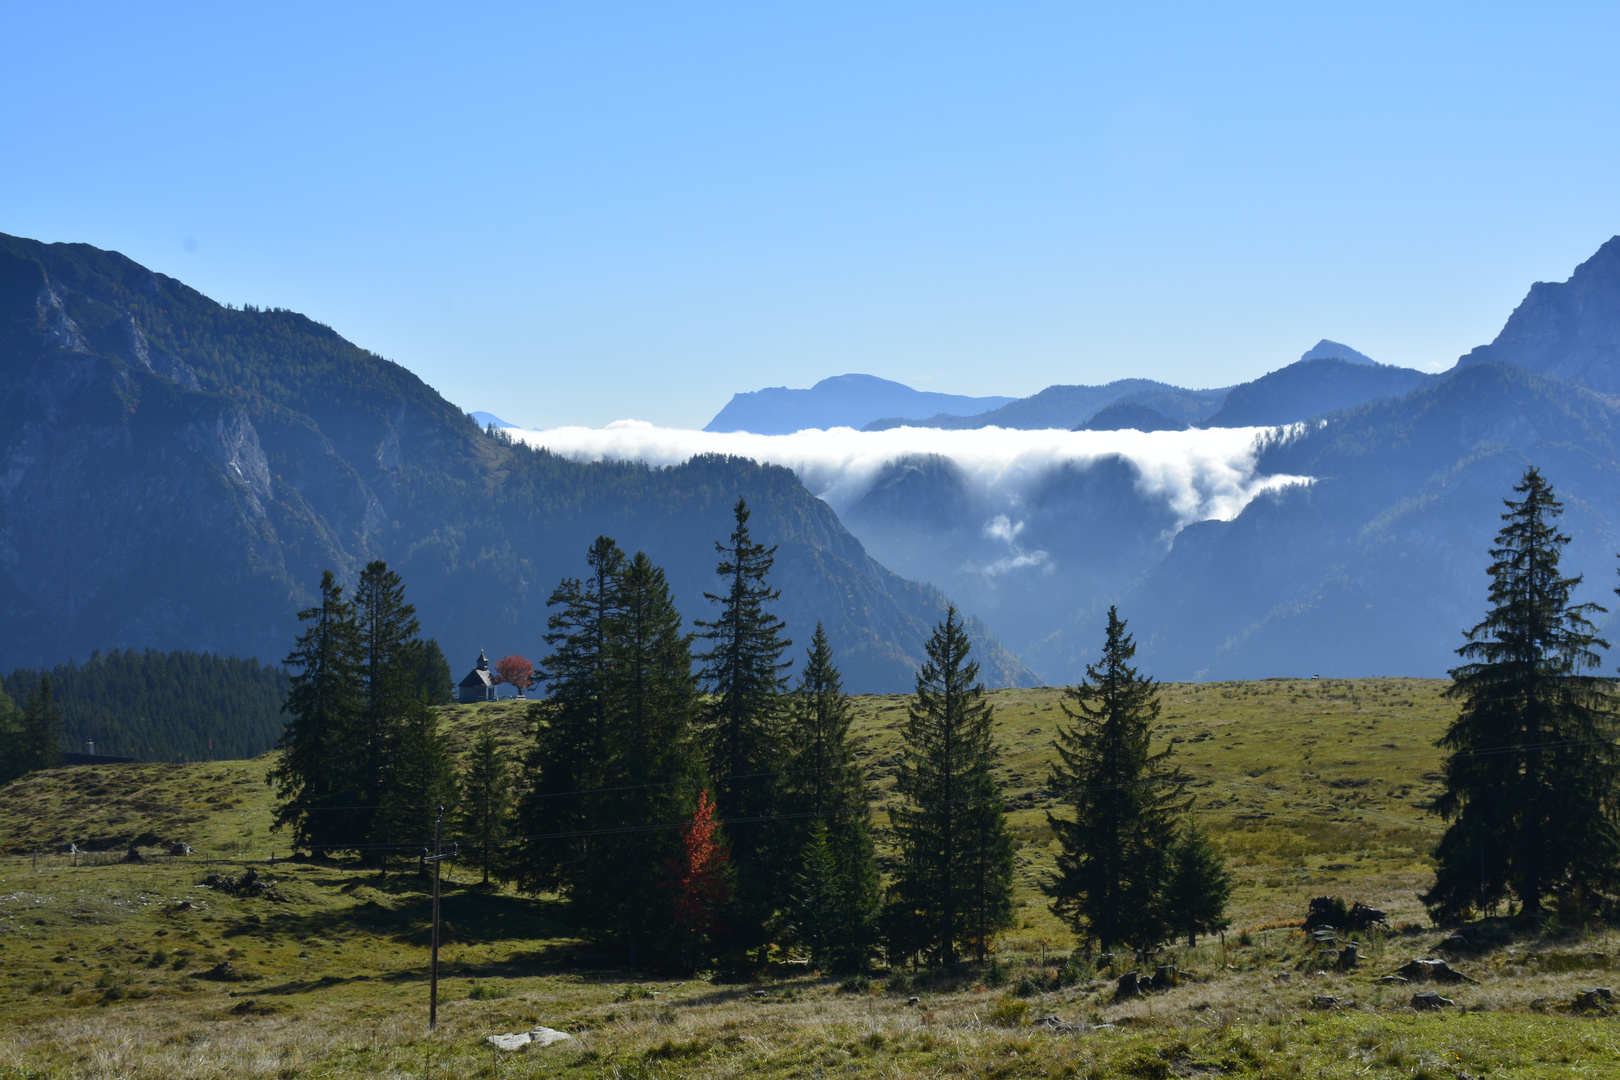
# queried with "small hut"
point(479, 685)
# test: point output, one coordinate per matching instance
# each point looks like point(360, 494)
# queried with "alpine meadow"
point(1058, 541)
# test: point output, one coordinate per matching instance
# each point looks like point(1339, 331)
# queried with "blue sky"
point(574, 213)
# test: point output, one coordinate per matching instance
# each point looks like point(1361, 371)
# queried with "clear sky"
point(574, 213)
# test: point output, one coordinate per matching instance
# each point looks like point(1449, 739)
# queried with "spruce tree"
point(43, 728)
point(313, 774)
point(1124, 799)
point(1532, 774)
point(746, 676)
point(954, 884)
point(486, 794)
point(566, 764)
point(432, 680)
point(651, 774)
point(391, 666)
point(422, 779)
point(813, 906)
point(1197, 886)
point(825, 794)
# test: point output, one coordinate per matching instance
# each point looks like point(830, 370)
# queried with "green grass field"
point(1310, 787)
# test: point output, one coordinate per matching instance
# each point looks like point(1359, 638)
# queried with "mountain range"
point(176, 473)
point(1374, 567)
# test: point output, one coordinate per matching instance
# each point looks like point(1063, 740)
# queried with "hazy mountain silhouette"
point(841, 401)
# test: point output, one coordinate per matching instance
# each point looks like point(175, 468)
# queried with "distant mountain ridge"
point(1329, 376)
point(1067, 407)
point(839, 401)
point(176, 475)
point(1312, 388)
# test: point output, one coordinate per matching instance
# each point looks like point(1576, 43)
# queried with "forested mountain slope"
point(1379, 565)
point(175, 474)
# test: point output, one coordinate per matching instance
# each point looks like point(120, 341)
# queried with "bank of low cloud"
point(1199, 474)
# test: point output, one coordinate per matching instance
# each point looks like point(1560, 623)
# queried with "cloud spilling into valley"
point(1198, 475)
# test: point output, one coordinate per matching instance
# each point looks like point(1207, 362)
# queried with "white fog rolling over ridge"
point(1198, 475)
point(1030, 530)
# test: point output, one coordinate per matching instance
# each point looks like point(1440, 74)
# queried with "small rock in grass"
point(1324, 1001)
point(913, 1000)
point(1430, 999)
point(539, 1036)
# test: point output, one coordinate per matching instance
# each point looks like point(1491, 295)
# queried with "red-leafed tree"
point(515, 671)
point(701, 876)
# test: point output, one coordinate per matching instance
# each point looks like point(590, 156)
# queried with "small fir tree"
point(313, 775)
point(1198, 886)
point(954, 883)
point(1532, 770)
point(814, 907)
point(746, 676)
point(1124, 799)
point(486, 794)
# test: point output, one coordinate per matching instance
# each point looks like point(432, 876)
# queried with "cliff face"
point(1568, 330)
point(176, 474)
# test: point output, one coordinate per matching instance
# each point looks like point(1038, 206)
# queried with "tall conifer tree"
point(746, 676)
point(565, 767)
point(391, 669)
point(1533, 774)
point(615, 756)
point(651, 774)
point(312, 776)
point(1124, 798)
point(826, 795)
point(954, 884)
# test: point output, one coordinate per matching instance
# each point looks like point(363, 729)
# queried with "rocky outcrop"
point(1569, 330)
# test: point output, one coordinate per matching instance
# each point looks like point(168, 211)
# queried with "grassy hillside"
point(1311, 787)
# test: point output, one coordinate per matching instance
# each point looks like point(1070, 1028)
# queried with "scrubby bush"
point(1008, 1012)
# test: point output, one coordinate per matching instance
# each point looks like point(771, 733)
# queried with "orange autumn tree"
point(515, 671)
point(701, 877)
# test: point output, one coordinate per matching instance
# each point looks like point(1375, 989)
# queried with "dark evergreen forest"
point(164, 706)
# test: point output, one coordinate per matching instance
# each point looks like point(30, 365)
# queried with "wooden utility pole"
point(433, 968)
